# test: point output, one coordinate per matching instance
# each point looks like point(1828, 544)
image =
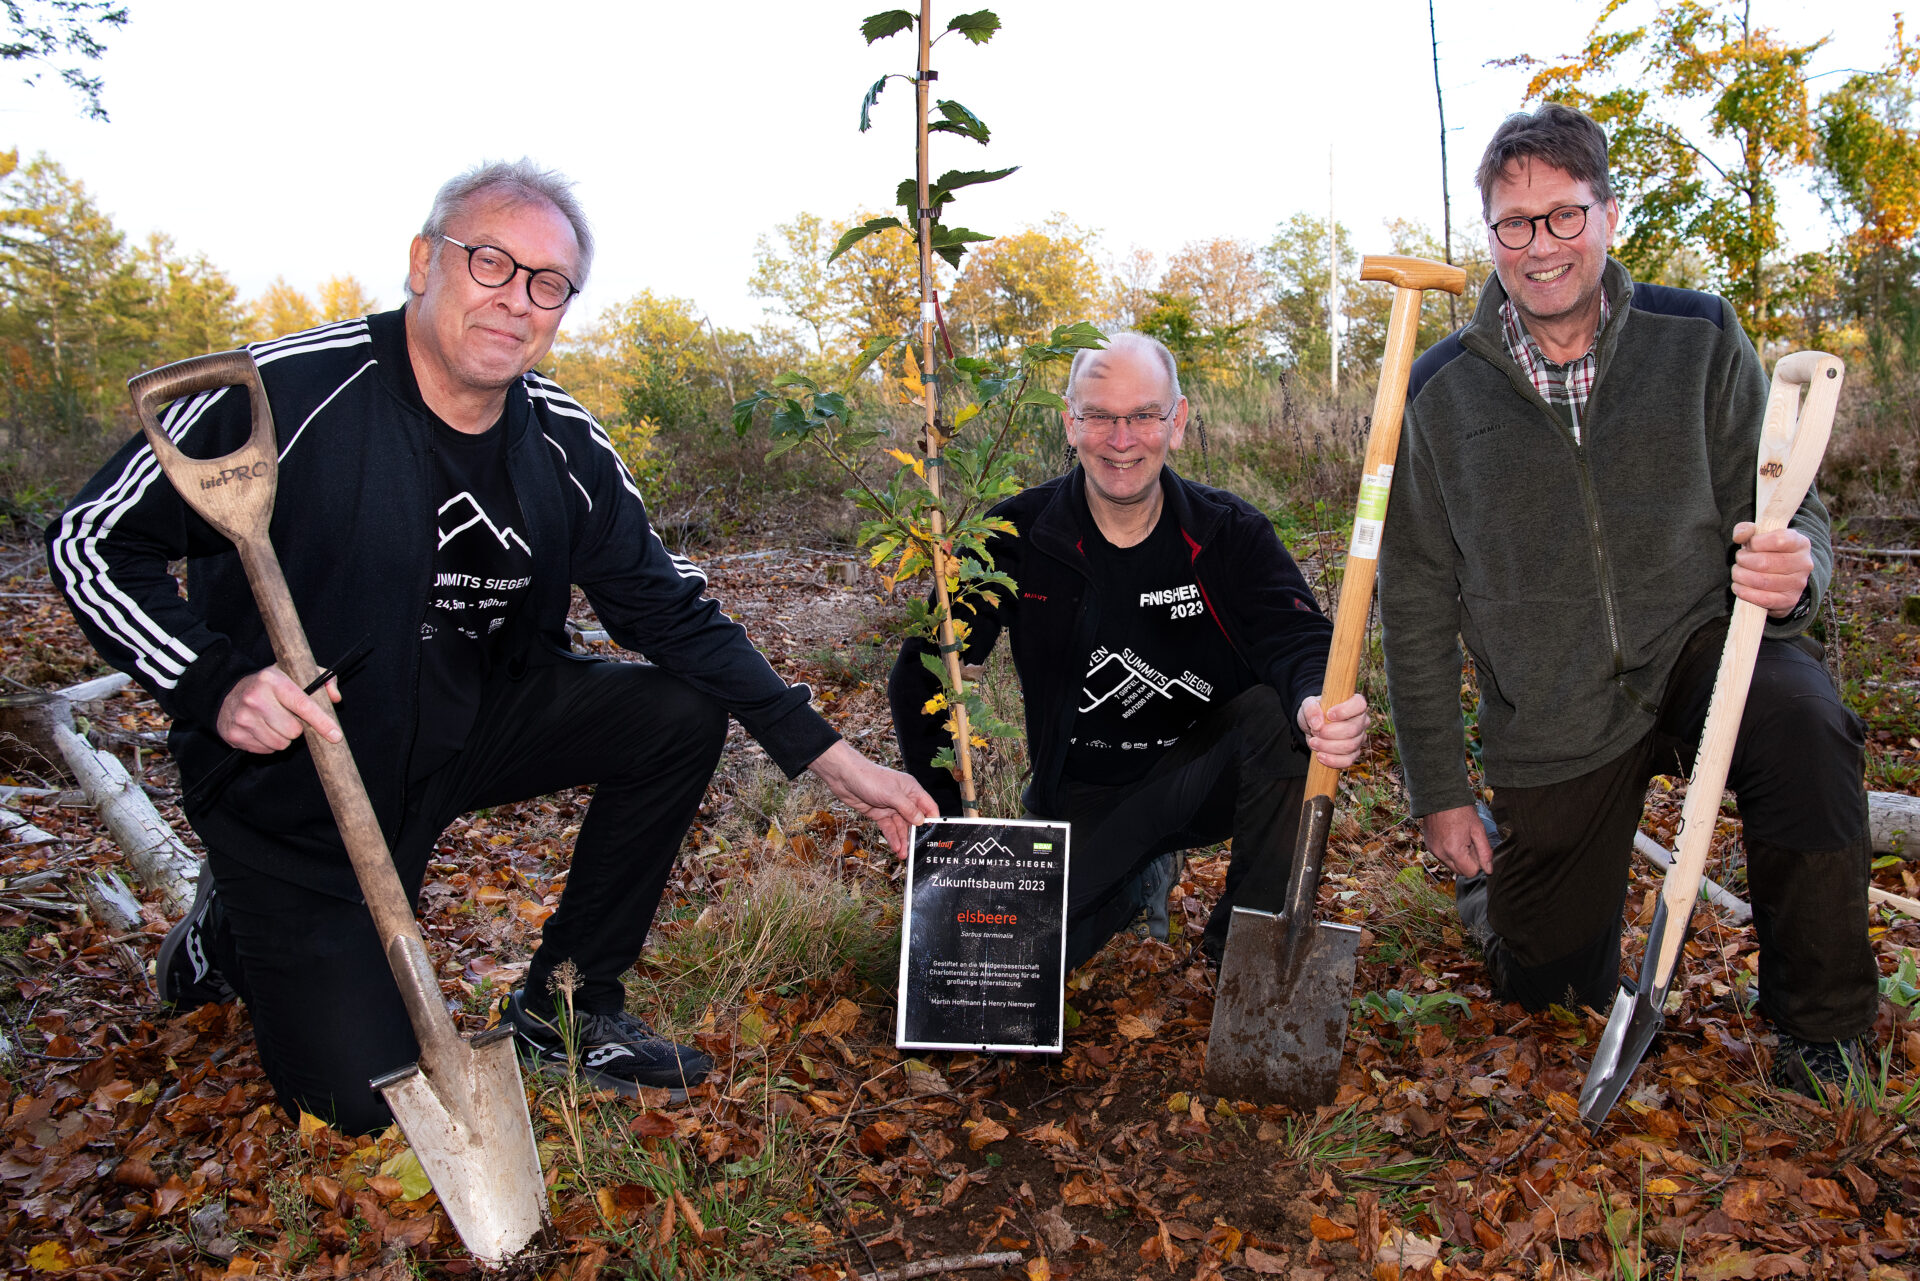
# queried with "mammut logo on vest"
point(1032, 596)
point(236, 473)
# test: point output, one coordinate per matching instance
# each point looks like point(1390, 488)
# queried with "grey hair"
point(517, 180)
point(1087, 361)
point(1554, 134)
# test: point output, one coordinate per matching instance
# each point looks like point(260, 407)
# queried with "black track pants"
point(1237, 773)
point(326, 1015)
point(1560, 865)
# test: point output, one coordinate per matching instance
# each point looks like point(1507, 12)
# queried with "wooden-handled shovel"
point(462, 1106)
point(1789, 456)
point(1280, 1009)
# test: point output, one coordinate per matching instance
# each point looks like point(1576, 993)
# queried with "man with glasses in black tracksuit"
point(438, 500)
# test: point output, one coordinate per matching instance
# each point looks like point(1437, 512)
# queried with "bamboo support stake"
point(930, 393)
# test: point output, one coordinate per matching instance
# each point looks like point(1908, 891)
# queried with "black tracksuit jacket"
point(353, 526)
point(1252, 589)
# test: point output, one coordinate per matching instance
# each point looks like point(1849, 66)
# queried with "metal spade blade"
point(484, 1164)
point(1273, 1038)
point(1638, 1011)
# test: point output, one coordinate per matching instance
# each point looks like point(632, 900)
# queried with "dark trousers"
point(1560, 864)
point(327, 1017)
point(1236, 773)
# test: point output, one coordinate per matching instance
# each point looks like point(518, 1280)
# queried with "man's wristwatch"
point(1801, 607)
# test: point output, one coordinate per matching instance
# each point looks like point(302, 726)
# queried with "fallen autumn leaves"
point(141, 1145)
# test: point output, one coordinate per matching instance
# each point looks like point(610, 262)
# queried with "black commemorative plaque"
point(984, 943)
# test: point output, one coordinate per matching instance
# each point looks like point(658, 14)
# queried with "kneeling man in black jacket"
point(1170, 655)
point(438, 499)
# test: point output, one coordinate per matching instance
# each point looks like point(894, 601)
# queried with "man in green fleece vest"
point(1573, 499)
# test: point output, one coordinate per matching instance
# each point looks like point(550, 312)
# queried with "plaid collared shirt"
point(1567, 384)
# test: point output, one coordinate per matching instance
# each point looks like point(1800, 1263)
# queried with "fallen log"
point(1660, 856)
point(158, 859)
point(15, 830)
point(110, 902)
point(27, 724)
point(1711, 890)
point(1894, 820)
point(94, 690)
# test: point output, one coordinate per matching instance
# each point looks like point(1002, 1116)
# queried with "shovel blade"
point(479, 1153)
point(1277, 1037)
point(1630, 1030)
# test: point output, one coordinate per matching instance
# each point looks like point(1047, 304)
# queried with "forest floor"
point(138, 1142)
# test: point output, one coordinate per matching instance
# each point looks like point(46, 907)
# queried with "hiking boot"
point(1156, 883)
point(1808, 1067)
point(184, 971)
point(1470, 901)
point(612, 1051)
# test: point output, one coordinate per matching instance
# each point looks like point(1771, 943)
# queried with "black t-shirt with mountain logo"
point(481, 571)
point(1160, 660)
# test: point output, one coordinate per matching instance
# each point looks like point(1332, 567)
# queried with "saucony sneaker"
point(184, 970)
point(612, 1051)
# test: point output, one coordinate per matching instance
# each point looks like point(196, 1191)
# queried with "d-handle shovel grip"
point(1413, 273)
point(235, 491)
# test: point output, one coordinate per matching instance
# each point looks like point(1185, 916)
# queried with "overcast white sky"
point(305, 141)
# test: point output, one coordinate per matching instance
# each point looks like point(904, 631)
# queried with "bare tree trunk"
point(1446, 192)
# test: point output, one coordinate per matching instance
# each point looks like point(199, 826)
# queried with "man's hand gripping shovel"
point(1789, 456)
point(1286, 982)
point(462, 1106)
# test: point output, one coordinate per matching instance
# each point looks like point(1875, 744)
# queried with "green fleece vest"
point(1573, 572)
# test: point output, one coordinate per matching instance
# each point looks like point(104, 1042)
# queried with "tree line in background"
point(1709, 115)
point(83, 308)
point(1231, 310)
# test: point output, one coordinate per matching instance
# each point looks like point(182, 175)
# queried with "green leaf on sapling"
point(882, 25)
point(855, 235)
point(954, 179)
point(867, 103)
point(870, 353)
point(977, 26)
point(959, 120)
